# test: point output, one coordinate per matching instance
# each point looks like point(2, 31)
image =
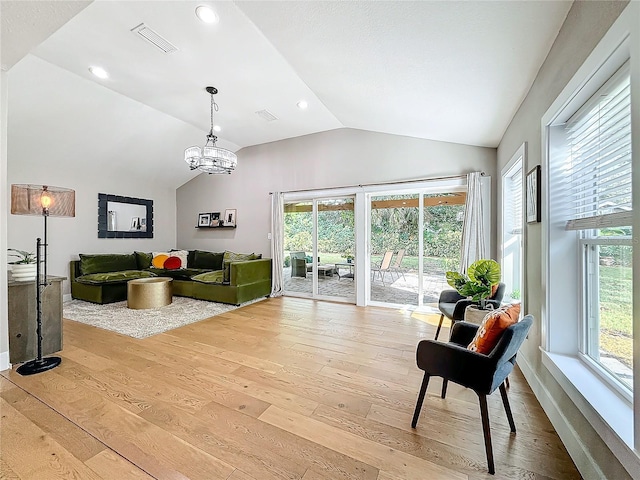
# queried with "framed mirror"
point(124, 217)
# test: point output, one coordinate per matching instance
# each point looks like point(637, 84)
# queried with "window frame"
point(609, 414)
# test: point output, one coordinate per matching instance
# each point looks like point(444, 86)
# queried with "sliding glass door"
point(319, 244)
point(414, 239)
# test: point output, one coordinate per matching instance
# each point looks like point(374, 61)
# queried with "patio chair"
point(384, 267)
point(298, 264)
point(396, 267)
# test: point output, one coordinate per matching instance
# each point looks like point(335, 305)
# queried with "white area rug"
point(144, 323)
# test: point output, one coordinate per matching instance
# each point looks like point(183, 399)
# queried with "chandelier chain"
point(214, 106)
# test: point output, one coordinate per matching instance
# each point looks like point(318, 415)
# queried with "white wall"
point(336, 158)
point(4, 196)
point(66, 131)
point(584, 26)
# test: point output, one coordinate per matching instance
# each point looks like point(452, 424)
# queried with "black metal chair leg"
point(507, 407)
point(439, 326)
point(445, 382)
point(423, 390)
point(484, 412)
point(506, 382)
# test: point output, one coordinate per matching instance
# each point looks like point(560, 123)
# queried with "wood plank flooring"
point(285, 388)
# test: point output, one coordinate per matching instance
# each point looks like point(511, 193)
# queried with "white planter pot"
point(23, 272)
point(473, 314)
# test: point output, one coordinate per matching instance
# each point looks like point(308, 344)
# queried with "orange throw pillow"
point(491, 328)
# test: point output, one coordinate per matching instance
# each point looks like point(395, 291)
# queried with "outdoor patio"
point(396, 290)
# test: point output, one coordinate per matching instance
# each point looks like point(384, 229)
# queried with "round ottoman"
point(149, 292)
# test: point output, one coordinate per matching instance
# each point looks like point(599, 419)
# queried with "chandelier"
point(210, 158)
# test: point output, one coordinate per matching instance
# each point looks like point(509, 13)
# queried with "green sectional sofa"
point(224, 277)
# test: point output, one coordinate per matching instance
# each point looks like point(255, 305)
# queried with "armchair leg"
point(445, 382)
point(439, 326)
point(507, 407)
point(423, 390)
point(484, 412)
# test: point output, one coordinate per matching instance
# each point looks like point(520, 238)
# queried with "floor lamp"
point(45, 201)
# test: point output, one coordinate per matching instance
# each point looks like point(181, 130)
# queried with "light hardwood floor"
point(285, 388)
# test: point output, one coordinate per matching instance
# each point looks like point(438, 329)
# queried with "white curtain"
point(277, 243)
point(473, 245)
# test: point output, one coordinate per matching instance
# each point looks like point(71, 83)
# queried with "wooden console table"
point(23, 340)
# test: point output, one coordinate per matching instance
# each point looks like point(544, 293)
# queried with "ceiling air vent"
point(266, 115)
point(152, 37)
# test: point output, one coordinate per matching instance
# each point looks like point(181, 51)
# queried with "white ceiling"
point(442, 70)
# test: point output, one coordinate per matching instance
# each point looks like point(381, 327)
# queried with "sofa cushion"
point(114, 277)
point(207, 260)
point(183, 255)
point(170, 260)
point(210, 277)
point(111, 262)
point(143, 260)
point(235, 257)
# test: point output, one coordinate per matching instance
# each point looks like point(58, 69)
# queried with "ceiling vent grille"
point(152, 37)
point(266, 115)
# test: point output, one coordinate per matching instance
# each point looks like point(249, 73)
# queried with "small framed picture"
point(534, 195)
point(215, 219)
point(230, 217)
point(204, 219)
point(135, 223)
point(143, 224)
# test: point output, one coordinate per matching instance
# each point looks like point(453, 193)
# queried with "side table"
point(23, 339)
point(350, 266)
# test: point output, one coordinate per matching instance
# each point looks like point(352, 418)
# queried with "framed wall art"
point(204, 219)
point(230, 217)
point(534, 195)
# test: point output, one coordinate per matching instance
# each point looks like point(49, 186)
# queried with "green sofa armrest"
point(250, 271)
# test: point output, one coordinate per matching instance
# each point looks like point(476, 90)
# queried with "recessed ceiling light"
point(206, 14)
point(302, 105)
point(99, 72)
point(217, 128)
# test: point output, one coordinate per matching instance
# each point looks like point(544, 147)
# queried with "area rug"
point(144, 323)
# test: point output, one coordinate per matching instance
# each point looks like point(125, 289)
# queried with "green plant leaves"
point(486, 272)
point(483, 274)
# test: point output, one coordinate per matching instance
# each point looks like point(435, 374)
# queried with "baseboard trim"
point(578, 452)
point(4, 361)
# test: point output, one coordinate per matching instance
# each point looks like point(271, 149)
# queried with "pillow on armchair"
point(491, 328)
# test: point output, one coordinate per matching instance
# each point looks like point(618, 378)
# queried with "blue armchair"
point(298, 264)
point(482, 373)
point(452, 305)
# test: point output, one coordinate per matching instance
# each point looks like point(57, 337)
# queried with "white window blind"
point(598, 171)
point(515, 204)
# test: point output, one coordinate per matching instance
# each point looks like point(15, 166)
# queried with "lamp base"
point(38, 366)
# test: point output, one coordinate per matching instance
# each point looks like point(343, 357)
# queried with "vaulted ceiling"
point(441, 70)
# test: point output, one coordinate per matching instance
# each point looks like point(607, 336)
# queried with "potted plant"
point(23, 269)
point(349, 257)
point(483, 276)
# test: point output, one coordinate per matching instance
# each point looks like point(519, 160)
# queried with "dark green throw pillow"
point(207, 260)
point(143, 260)
point(111, 262)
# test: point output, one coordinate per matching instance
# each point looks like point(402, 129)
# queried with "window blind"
point(598, 170)
point(515, 205)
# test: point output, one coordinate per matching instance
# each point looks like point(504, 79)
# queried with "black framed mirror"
point(124, 217)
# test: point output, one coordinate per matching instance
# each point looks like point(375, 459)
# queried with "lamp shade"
point(43, 200)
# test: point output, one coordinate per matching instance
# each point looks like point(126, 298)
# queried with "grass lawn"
point(616, 318)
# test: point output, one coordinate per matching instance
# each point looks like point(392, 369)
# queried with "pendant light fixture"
point(210, 158)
